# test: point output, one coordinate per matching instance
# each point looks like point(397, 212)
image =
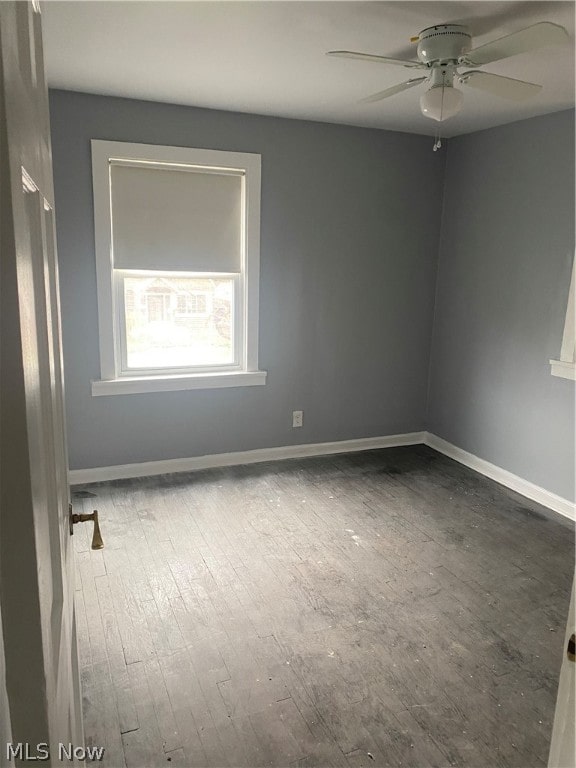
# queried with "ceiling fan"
point(445, 48)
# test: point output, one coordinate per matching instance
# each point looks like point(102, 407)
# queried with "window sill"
point(132, 385)
point(564, 369)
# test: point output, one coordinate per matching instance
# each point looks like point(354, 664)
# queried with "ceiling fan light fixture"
point(441, 102)
point(444, 48)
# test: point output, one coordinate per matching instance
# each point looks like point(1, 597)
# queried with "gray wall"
point(506, 252)
point(350, 228)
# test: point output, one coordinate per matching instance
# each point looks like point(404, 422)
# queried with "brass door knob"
point(97, 542)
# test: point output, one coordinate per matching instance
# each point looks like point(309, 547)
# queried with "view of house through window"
point(178, 322)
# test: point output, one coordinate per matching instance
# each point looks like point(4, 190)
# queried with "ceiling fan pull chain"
point(438, 141)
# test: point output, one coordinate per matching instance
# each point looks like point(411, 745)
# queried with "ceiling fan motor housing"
point(443, 42)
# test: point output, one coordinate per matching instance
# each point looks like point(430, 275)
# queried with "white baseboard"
point(147, 468)
point(502, 476)
point(514, 482)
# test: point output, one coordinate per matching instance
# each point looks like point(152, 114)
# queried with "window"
point(566, 365)
point(177, 251)
point(173, 325)
point(195, 303)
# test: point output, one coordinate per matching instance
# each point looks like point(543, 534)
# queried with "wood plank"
point(374, 609)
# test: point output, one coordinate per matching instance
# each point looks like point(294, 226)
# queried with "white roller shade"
point(171, 219)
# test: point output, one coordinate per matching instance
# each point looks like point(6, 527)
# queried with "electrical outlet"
point(297, 418)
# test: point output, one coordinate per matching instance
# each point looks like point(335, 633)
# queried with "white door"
point(563, 745)
point(5, 729)
point(36, 598)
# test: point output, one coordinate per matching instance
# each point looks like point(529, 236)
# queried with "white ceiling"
point(268, 57)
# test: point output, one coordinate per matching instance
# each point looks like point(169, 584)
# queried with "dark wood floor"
point(386, 608)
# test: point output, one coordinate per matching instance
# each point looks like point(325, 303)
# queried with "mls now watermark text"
point(24, 751)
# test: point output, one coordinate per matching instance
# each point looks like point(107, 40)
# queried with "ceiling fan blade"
point(506, 87)
point(537, 36)
point(378, 59)
point(394, 89)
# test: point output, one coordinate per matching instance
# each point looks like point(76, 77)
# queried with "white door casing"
point(563, 744)
point(36, 569)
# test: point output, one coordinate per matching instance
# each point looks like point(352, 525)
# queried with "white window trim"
point(113, 381)
point(565, 367)
point(131, 385)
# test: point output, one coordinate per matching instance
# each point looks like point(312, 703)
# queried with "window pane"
point(179, 322)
